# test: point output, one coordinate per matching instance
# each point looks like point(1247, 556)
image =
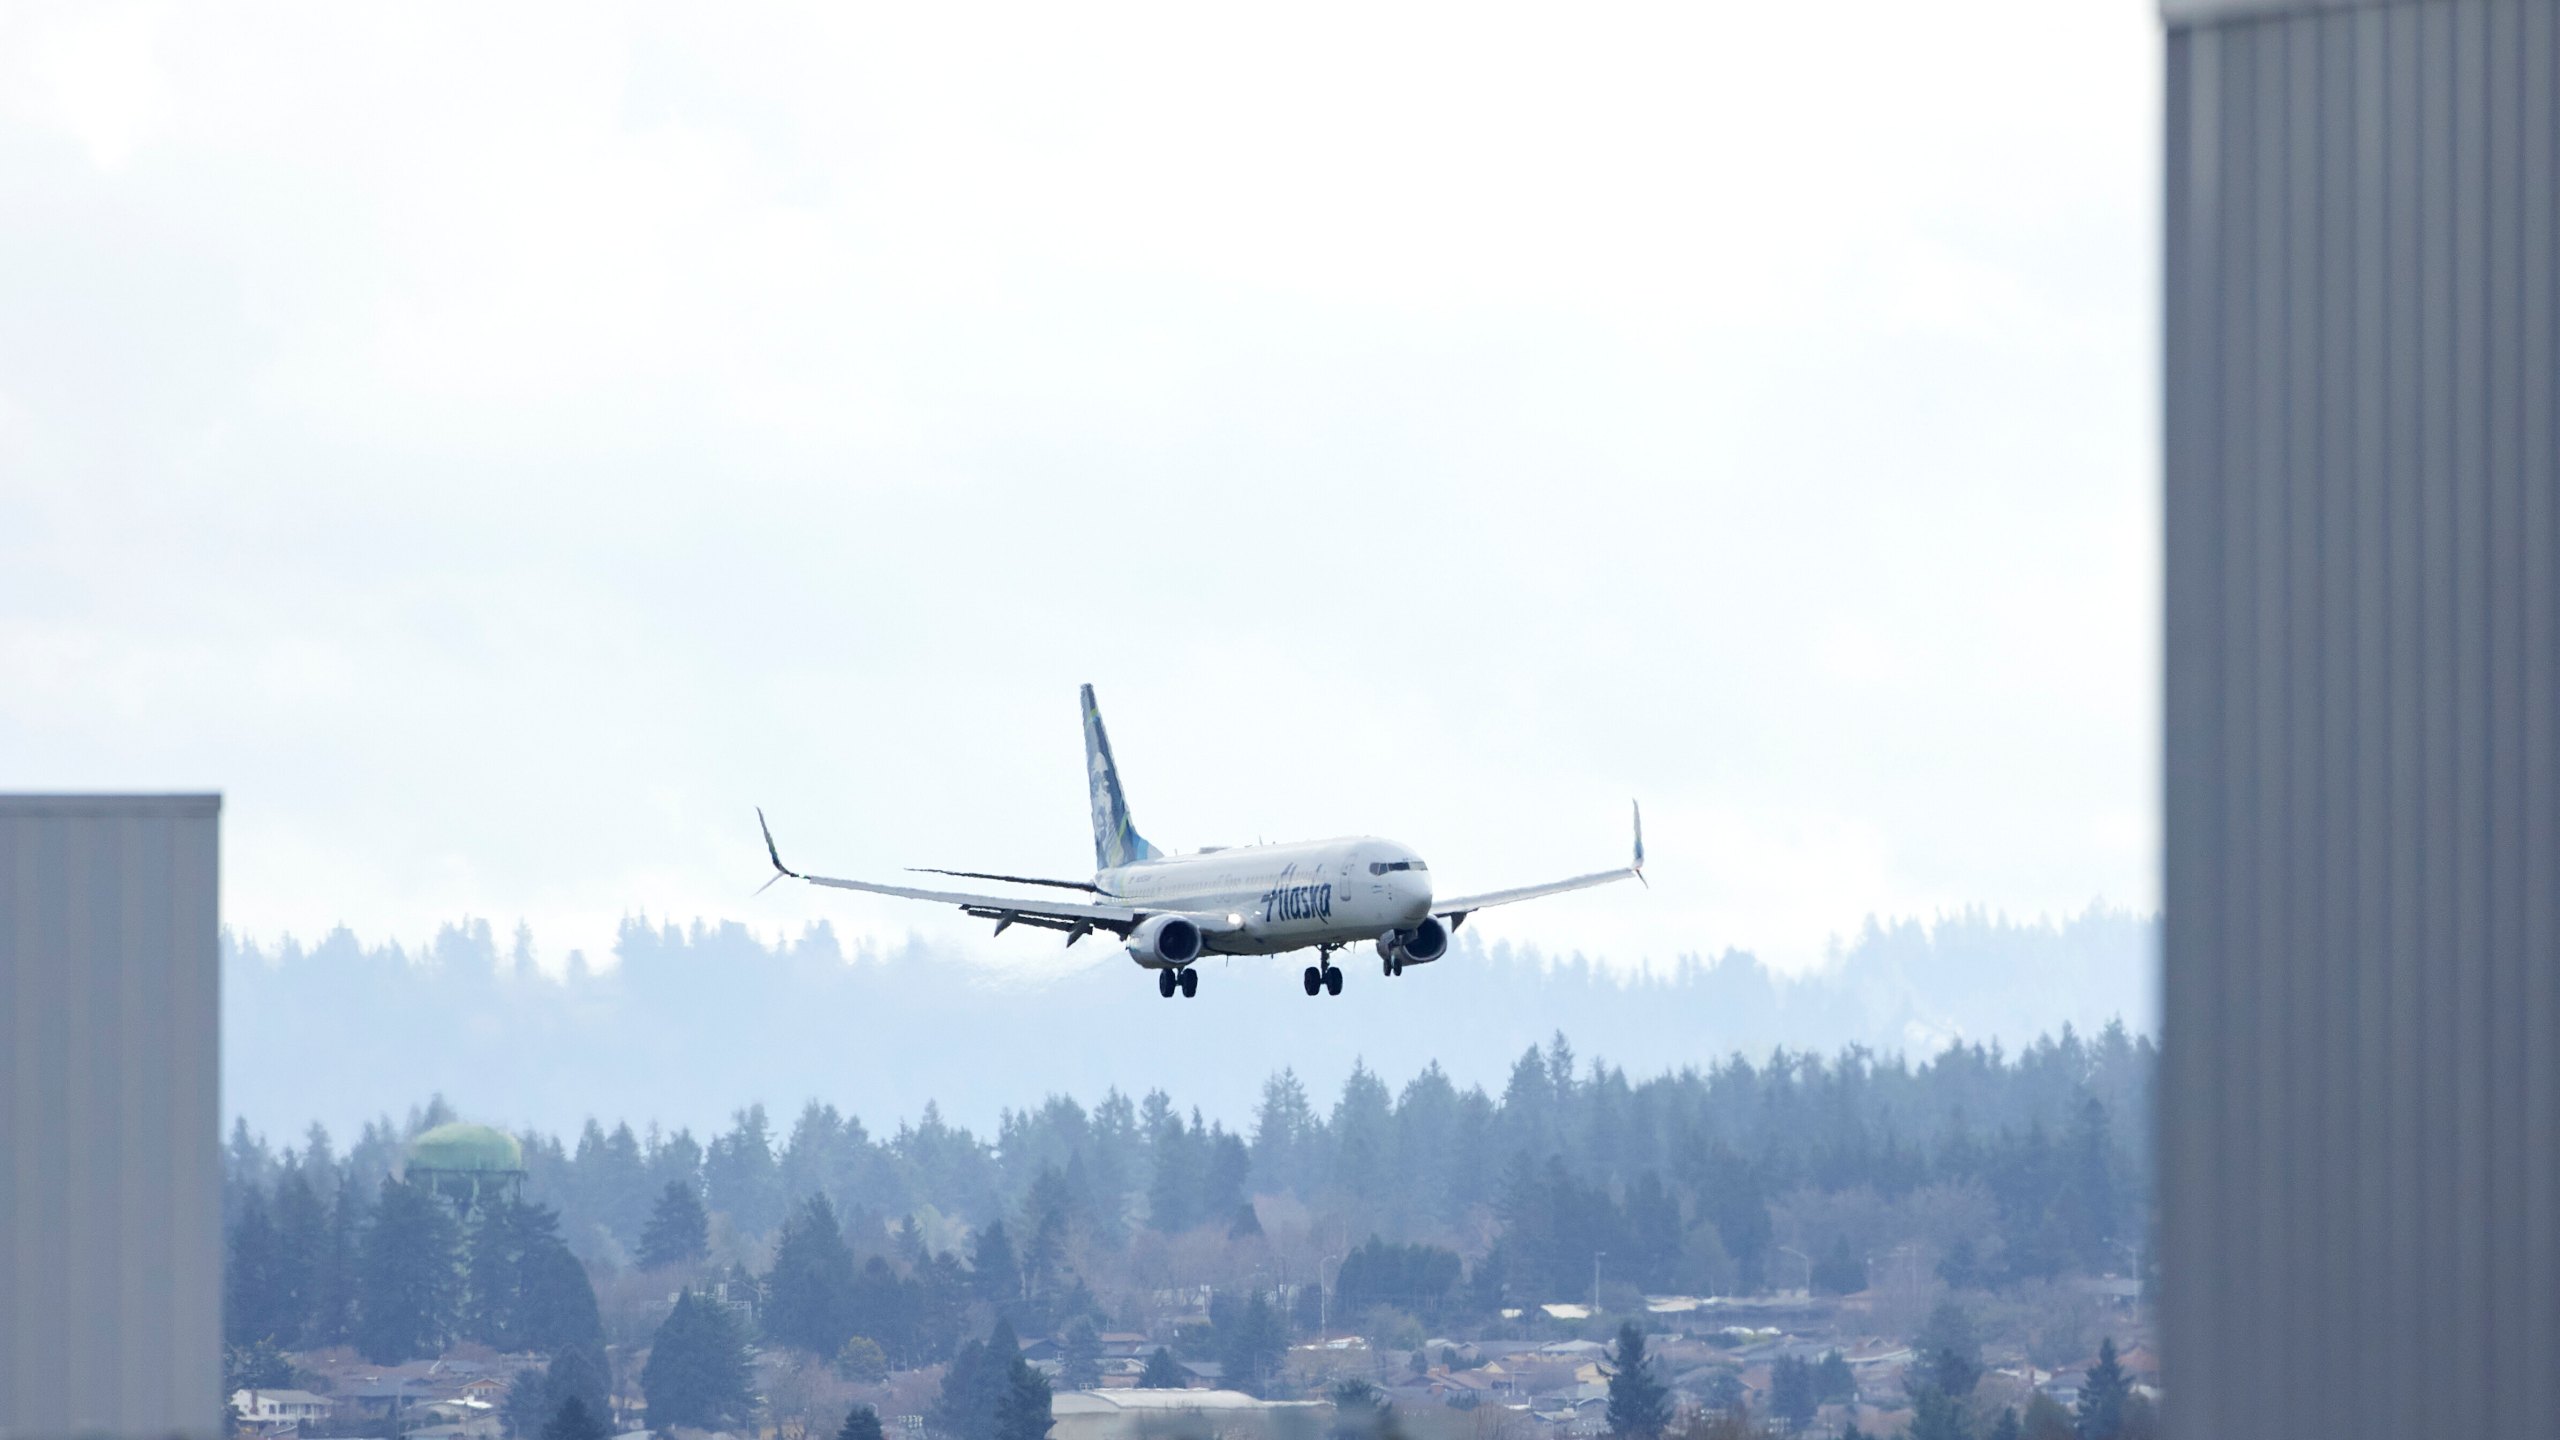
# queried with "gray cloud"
point(500, 451)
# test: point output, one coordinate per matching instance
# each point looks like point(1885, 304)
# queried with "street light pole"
point(1808, 1266)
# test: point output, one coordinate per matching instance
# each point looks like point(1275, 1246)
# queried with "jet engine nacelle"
point(1420, 945)
point(1164, 942)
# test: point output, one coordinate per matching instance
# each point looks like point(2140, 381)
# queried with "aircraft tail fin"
point(1116, 842)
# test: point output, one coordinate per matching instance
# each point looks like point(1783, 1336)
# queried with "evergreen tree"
point(1639, 1403)
point(992, 1268)
point(697, 1370)
point(1162, 1373)
point(1962, 1268)
point(302, 1248)
point(1361, 1412)
point(678, 1233)
point(1840, 1271)
point(2088, 1199)
point(572, 1374)
point(574, 1421)
point(1045, 1213)
point(860, 1423)
point(1225, 1165)
point(1252, 1341)
point(742, 1176)
point(1022, 1411)
point(493, 1275)
point(1791, 1396)
point(253, 1306)
point(2103, 1396)
point(810, 1295)
point(409, 1282)
point(1936, 1416)
point(1833, 1380)
point(975, 1386)
point(1173, 1192)
point(558, 1302)
point(2006, 1427)
point(333, 1282)
point(524, 1290)
point(1950, 1350)
point(920, 1319)
point(1080, 1358)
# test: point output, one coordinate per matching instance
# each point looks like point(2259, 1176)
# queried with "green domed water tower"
point(466, 1164)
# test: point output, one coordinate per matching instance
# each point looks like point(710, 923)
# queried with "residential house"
point(278, 1409)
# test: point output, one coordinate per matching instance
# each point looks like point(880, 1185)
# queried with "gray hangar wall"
point(110, 1126)
point(2360, 1182)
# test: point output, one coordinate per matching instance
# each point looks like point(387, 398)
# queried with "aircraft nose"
point(1415, 891)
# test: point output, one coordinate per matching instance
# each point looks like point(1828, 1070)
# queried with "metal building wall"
point(2360, 1185)
point(110, 1128)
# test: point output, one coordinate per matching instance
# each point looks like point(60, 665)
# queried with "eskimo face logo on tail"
point(1106, 819)
point(1298, 902)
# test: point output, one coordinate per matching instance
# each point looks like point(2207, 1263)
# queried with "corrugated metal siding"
point(110, 1126)
point(2360, 1180)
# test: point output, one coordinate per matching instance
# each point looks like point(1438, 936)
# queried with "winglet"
point(780, 869)
point(1637, 867)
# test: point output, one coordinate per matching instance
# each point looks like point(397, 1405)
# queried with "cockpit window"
point(1381, 867)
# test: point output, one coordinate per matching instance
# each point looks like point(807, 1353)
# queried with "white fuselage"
point(1283, 897)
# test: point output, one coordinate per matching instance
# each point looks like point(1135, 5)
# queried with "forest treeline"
point(683, 1021)
point(1427, 1203)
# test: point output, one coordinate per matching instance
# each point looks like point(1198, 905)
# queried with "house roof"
point(285, 1397)
point(1098, 1402)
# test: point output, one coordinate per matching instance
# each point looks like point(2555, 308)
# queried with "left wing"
point(1456, 911)
point(1075, 917)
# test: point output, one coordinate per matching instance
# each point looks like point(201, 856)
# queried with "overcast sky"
point(499, 447)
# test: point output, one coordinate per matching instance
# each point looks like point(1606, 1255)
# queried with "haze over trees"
point(645, 1028)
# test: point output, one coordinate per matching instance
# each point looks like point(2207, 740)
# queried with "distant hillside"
point(696, 1022)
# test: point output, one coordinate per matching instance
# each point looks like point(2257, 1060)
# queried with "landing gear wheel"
point(1395, 967)
point(1165, 983)
point(1333, 979)
point(1315, 979)
point(1190, 983)
point(1387, 967)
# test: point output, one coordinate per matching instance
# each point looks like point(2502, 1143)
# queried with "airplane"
point(1173, 910)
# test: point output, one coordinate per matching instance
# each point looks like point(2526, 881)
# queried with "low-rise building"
point(1150, 1414)
point(271, 1409)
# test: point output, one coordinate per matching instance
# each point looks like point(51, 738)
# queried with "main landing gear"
point(1391, 967)
point(1324, 975)
point(1186, 980)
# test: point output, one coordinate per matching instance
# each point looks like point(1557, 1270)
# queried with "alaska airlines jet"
point(1246, 900)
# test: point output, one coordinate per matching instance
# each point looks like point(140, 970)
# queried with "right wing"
point(1456, 911)
point(1077, 919)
